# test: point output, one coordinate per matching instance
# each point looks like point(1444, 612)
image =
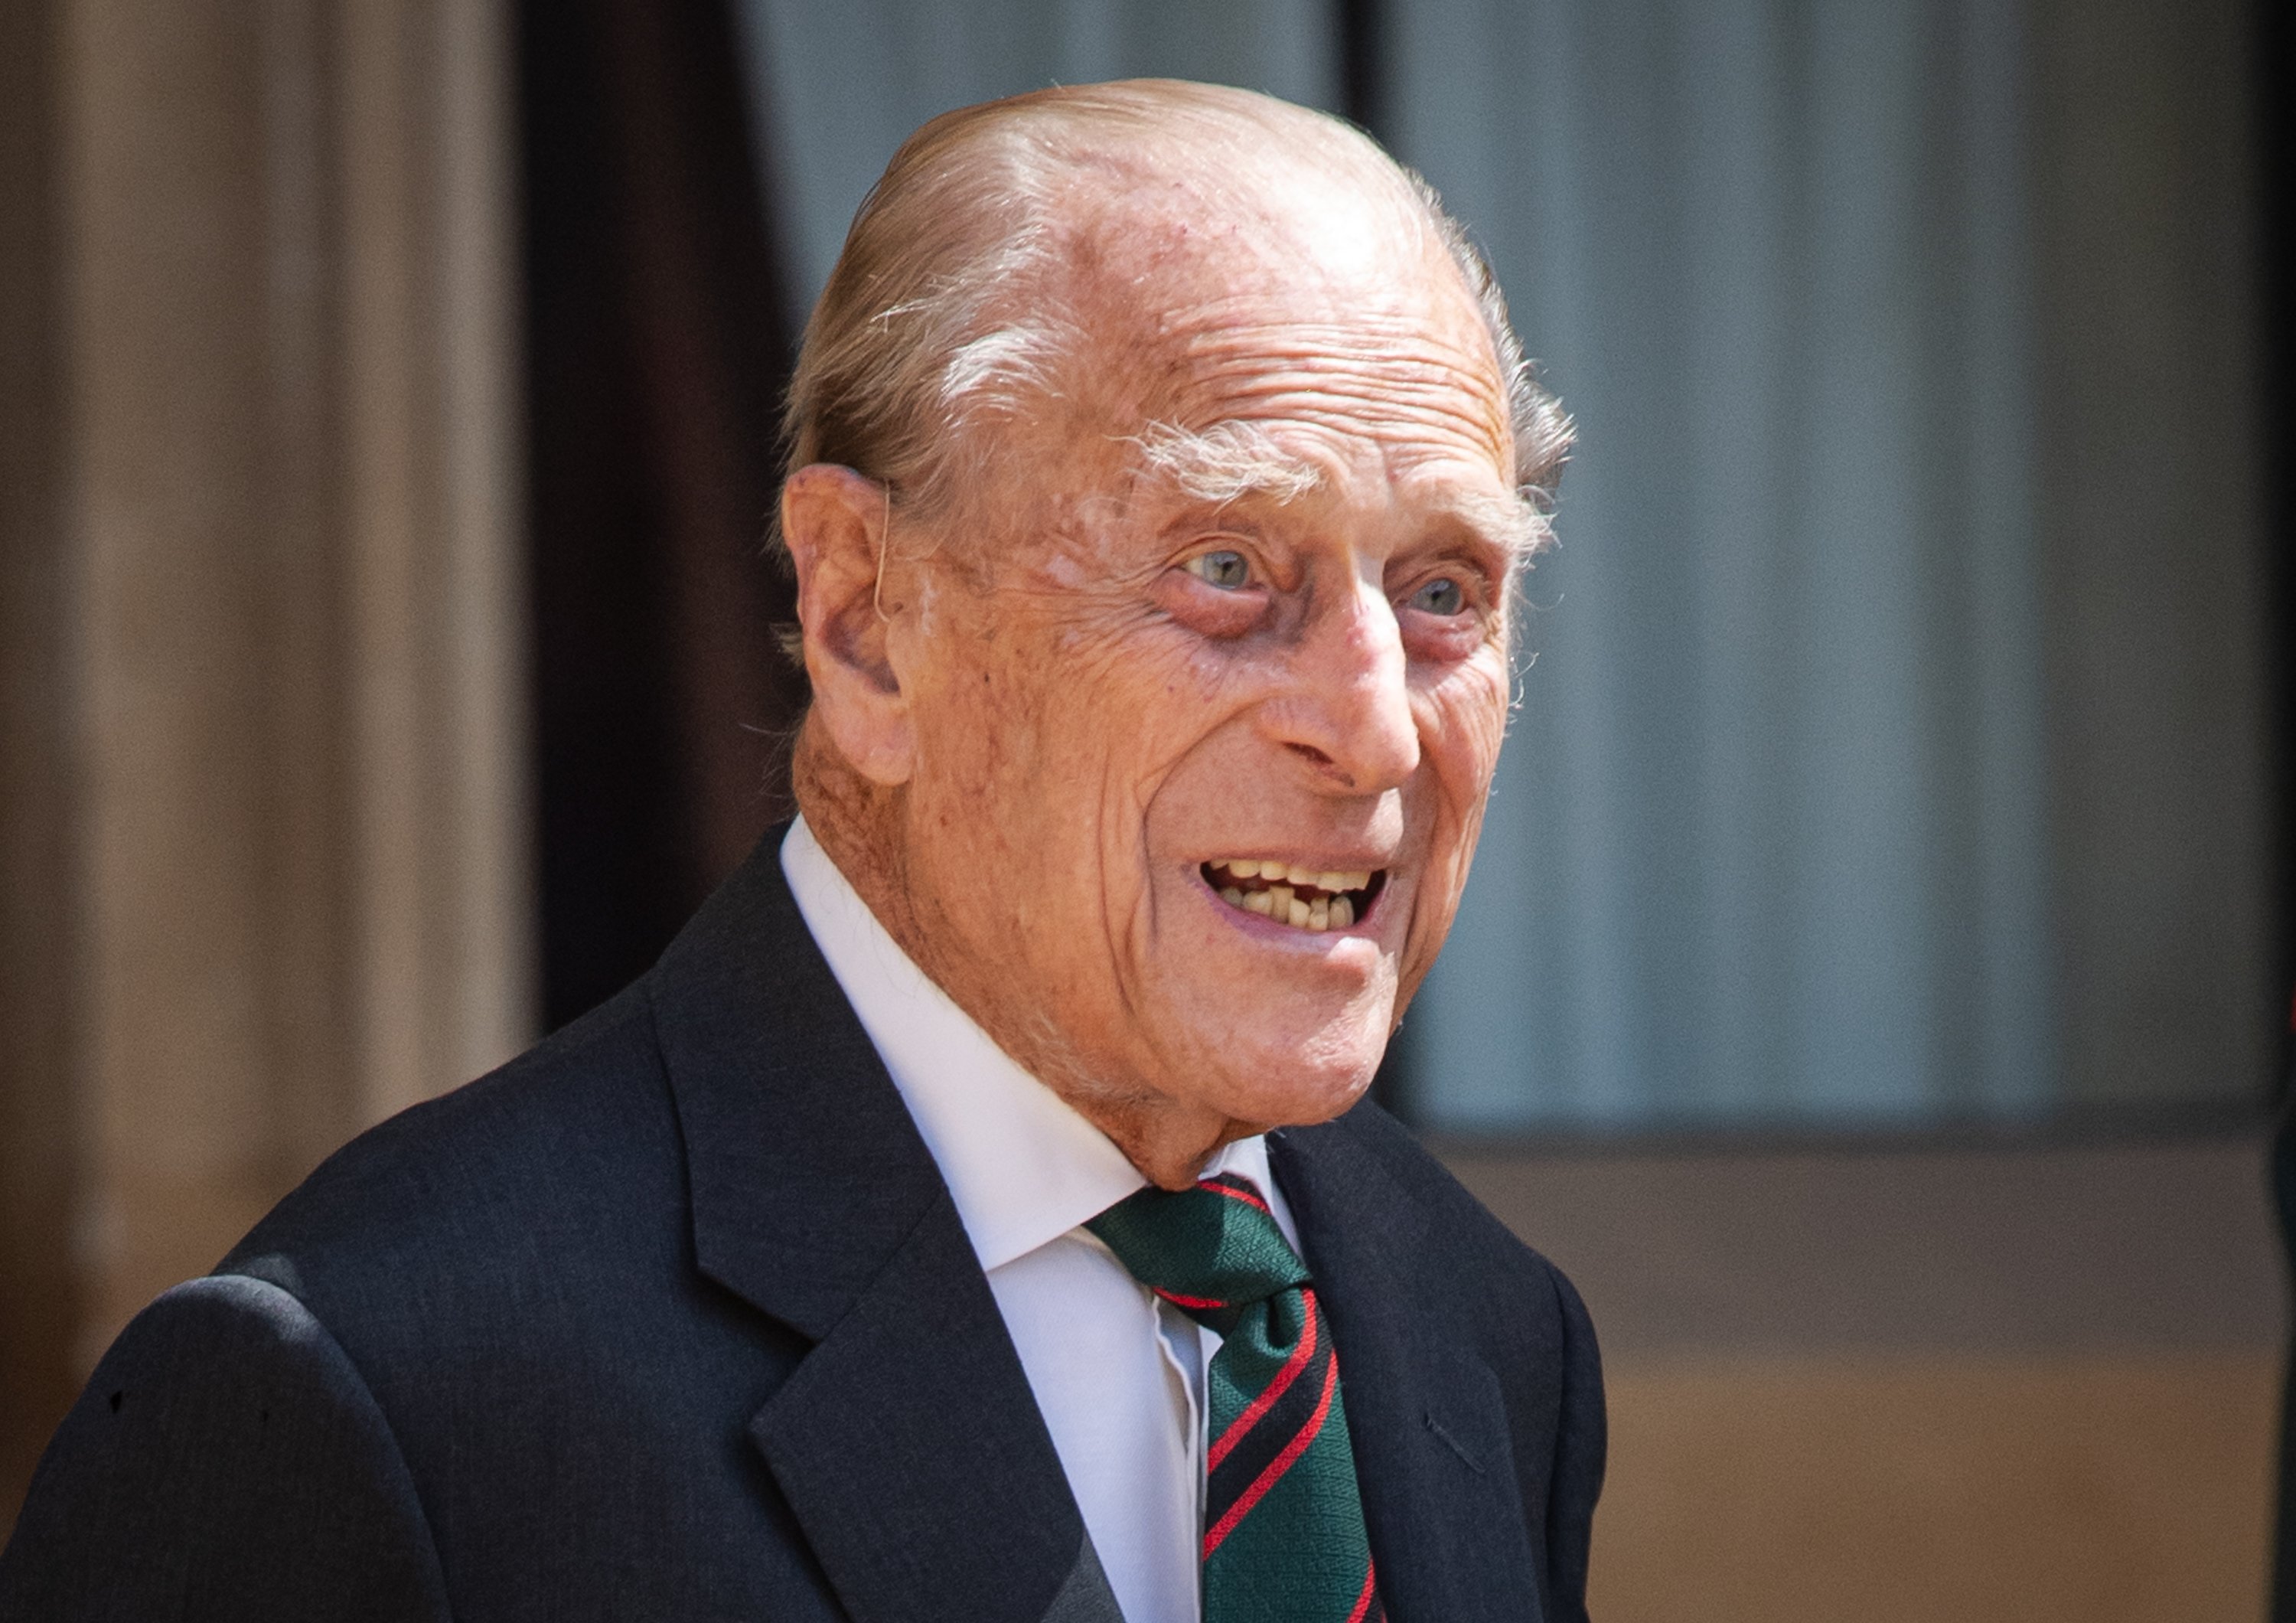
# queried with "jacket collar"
point(1425, 1414)
point(907, 1441)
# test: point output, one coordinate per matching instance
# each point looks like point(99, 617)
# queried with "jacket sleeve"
point(226, 1460)
point(1580, 1441)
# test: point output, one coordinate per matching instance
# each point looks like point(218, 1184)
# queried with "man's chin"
point(1290, 1095)
point(1289, 1055)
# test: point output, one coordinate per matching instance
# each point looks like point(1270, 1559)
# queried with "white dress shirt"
point(1119, 1374)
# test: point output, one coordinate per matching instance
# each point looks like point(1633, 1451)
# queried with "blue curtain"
point(1769, 838)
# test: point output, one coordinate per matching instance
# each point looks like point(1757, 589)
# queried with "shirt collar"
point(1023, 1166)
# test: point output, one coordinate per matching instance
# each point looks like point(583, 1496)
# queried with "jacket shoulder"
point(496, 1218)
point(515, 1141)
point(231, 1433)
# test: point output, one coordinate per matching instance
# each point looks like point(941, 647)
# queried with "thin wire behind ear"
point(885, 540)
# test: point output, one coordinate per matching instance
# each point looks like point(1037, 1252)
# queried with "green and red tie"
point(1283, 1526)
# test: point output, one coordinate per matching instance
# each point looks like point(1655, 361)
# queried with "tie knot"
point(1211, 1251)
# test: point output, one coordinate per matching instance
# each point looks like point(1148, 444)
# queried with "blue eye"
point(1228, 570)
point(1444, 596)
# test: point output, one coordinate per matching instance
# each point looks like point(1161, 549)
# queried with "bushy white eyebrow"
point(1513, 522)
point(1231, 460)
point(1224, 462)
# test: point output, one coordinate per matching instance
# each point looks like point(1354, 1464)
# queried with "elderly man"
point(973, 1215)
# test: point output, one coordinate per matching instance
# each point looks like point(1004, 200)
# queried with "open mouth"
point(1286, 893)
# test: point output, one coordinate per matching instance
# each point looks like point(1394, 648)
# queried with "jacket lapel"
point(907, 1441)
point(1424, 1413)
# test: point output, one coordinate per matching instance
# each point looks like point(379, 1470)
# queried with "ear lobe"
point(834, 522)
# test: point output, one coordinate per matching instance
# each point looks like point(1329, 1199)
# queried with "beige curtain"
point(265, 802)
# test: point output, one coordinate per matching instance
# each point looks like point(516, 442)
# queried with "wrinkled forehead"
point(1206, 302)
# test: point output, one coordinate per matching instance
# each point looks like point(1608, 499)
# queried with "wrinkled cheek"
point(971, 806)
point(1462, 724)
point(1472, 713)
point(983, 719)
point(1123, 842)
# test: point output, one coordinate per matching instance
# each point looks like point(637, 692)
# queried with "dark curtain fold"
point(2276, 73)
point(2276, 194)
point(656, 354)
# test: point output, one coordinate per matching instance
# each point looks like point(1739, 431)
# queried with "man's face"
point(1198, 777)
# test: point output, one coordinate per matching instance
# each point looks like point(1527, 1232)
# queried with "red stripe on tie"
point(1244, 1422)
point(1237, 1192)
point(1280, 1463)
point(1362, 1600)
point(1178, 1300)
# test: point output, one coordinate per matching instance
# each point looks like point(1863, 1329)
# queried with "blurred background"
point(1874, 988)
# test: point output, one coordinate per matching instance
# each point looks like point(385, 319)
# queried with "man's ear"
point(834, 522)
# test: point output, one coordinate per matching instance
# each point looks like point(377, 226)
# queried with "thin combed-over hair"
point(946, 310)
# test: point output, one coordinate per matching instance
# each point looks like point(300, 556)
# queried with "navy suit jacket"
point(673, 1318)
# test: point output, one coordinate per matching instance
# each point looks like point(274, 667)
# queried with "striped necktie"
point(1284, 1527)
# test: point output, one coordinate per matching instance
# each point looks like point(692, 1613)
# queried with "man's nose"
point(1347, 706)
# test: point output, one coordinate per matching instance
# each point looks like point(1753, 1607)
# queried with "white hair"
point(944, 311)
point(1225, 463)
